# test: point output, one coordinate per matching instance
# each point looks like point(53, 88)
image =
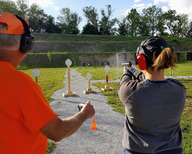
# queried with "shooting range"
point(85, 83)
point(81, 58)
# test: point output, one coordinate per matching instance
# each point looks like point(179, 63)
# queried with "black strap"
point(25, 25)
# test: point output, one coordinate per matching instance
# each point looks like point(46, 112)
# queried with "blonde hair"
point(7, 40)
point(165, 59)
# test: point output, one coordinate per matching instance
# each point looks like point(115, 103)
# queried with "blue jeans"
point(175, 151)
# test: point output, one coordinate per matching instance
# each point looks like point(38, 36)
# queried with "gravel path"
point(106, 139)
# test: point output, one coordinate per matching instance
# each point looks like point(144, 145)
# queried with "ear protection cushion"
point(27, 39)
point(141, 62)
point(27, 42)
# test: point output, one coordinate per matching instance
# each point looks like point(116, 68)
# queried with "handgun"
point(80, 106)
point(129, 64)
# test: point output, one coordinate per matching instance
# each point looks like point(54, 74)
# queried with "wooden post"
point(89, 90)
point(89, 84)
point(36, 80)
point(69, 93)
point(69, 80)
point(68, 62)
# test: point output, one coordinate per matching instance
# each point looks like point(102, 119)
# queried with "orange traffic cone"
point(94, 126)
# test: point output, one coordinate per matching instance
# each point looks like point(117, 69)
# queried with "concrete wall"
point(58, 60)
point(102, 59)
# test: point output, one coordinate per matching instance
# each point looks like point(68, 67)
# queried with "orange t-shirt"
point(23, 111)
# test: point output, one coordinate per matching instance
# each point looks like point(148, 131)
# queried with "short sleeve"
point(35, 110)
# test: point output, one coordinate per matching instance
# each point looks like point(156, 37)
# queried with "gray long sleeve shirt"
point(153, 113)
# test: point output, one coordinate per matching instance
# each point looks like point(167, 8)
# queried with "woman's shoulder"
point(176, 82)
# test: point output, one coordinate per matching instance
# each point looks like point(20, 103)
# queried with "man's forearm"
point(57, 129)
point(70, 125)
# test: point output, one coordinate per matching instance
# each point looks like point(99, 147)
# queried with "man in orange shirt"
point(26, 118)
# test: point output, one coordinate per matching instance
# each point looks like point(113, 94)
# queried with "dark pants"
point(175, 151)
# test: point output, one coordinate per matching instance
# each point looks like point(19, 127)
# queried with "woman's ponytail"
point(166, 59)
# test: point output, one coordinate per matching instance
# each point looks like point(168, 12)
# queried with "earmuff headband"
point(27, 39)
point(25, 25)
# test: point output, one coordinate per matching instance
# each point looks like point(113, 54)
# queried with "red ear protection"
point(141, 62)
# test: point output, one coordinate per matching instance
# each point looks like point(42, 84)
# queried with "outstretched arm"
point(130, 81)
point(57, 128)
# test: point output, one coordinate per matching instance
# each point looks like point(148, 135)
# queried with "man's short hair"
point(7, 40)
point(11, 29)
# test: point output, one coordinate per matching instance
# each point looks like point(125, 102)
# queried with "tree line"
point(151, 21)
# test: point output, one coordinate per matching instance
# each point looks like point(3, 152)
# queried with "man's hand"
point(88, 110)
point(57, 129)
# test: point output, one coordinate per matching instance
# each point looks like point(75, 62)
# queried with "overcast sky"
point(120, 7)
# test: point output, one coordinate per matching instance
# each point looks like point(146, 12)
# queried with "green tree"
point(189, 32)
point(152, 16)
point(177, 25)
point(69, 21)
point(8, 6)
point(122, 29)
point(170, 19)
point(23, 8)
point(39, 21)
point(37, 18)
point(143, 29)
point(133, 20)
point(182, 26)
point(107, 24)
point(50, 26)
point(91, 15)
point(161, 27)
point(19, 8)
point(90, 29)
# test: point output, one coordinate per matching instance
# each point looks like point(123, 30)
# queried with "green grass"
point(182, 69)
point(186, 122)
point(50, 147)
point(98, 73)
point(50, 79)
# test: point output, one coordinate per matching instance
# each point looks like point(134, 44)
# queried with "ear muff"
point(27, 39)
point(141, 62)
